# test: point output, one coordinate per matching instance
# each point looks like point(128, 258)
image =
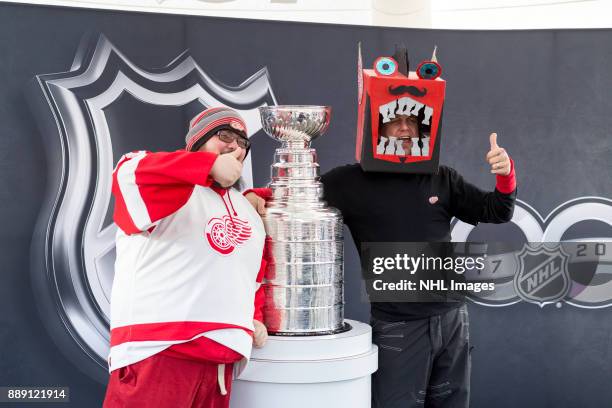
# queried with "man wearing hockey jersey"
point(186, 299)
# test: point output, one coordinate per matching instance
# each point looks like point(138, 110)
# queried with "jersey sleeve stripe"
point(126, 180)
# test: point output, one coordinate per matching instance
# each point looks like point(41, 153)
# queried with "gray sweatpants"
point(423, 363)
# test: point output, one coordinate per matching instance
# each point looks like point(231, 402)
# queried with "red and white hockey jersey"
point(189, 258)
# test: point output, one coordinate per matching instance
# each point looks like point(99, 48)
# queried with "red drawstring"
point(227, 209)
point(222, 192)
point(229, 197)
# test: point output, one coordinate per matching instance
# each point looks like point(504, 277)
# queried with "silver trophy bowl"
point(295, 125)
point(304, 277)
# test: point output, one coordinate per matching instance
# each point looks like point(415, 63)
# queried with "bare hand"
point(260, 336)
point(498, 158)
point(258, 203)
point(227, 168)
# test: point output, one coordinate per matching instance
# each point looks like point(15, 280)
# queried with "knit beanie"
point(206, 123)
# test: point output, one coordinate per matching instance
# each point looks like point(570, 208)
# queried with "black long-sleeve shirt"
point(390, 207)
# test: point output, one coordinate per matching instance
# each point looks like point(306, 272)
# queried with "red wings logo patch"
point(224, 234)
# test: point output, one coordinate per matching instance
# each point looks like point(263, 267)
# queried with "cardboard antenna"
point(359, 74)
point(401, 56)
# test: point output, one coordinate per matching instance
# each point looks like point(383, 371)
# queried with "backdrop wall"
point(546, 94)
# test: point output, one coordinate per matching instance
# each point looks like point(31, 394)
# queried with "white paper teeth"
point(393, 146)
point(404, 106)
point(380, 149)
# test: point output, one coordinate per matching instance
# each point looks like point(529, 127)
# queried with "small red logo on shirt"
point(224, 234)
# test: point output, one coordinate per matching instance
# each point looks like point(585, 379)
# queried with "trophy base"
point(345, 327)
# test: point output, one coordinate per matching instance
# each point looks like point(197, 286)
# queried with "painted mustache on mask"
point(412, 90)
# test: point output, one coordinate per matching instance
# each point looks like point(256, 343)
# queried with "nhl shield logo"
point(104, 106)
point(542, 275)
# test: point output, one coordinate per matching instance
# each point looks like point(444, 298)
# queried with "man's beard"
point(238, 185)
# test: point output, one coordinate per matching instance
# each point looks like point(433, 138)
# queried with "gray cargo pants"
point(423, 363)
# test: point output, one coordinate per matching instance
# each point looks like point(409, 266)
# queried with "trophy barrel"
point(303, 282)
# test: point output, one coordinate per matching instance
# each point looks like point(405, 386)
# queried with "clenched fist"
point(227, 168)
point(498, 158)
point(258, 203)
point(260, 336)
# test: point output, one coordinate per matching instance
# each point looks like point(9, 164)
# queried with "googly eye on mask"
point(385, 66)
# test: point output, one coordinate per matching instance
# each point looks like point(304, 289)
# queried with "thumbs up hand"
point(498, 158)
point(227, 168)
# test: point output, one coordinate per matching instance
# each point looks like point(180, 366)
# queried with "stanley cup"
point(303, 282)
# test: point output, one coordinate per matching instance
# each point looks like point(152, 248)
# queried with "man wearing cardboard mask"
point(397, 192)
point(399, 134)
point(186, 298)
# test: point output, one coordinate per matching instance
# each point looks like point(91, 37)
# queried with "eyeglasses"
point(228, 136)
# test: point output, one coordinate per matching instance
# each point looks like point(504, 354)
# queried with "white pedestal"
point(316, 371)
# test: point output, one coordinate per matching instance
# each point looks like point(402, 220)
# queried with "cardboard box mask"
point(389, 93)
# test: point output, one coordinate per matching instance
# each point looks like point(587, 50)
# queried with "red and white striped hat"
point(206, 123)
